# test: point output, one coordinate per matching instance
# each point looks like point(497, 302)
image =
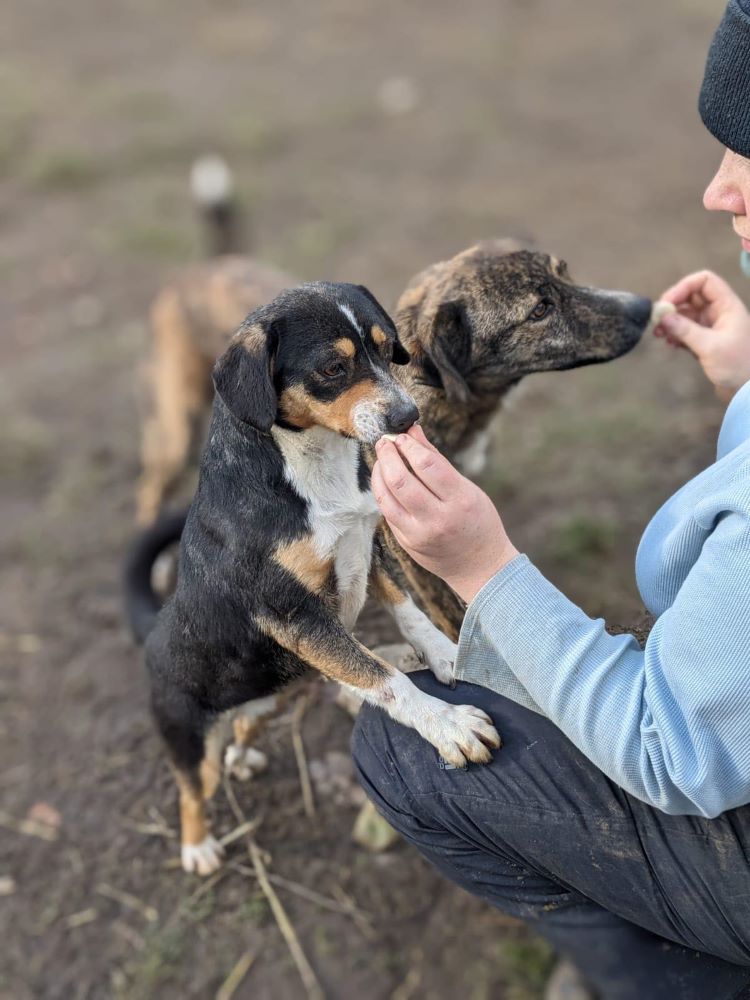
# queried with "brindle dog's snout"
point(401, 416)
point(638, 310)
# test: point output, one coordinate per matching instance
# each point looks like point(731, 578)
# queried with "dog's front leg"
point(432, 647)
point(460, 733)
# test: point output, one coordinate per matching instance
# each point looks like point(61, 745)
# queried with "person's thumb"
point(683, 331)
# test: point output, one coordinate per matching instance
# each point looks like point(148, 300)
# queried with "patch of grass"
point(251, 135)
point(582, 538)
point(18, 113)
point(158, 962)
point(162, 241)
point(255, 910)
point(63, 170)
point(25, 447)
point(527, 963)
point(312, 244)
point(138, 105)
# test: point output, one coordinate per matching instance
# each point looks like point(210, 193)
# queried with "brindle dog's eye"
point(333, 370)
point(541, 310)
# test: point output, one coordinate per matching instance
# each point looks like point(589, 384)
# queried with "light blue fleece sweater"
point(671, 723)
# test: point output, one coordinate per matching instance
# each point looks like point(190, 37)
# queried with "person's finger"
point(432, 468)
point(683, 331)
point(410, 492)
point(702, 293)
point(418, 434)
point(388, 505)
point(681, 292)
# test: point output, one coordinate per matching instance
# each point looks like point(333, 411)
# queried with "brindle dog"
point(474, 325)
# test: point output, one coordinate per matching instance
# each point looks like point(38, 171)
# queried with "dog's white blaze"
point(322, 467)
point(345, 309)
point(437, 649)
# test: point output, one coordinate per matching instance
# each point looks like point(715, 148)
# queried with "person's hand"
point(443, 520)
point(713, 324)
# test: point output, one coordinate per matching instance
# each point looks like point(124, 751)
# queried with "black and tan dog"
point(278, 547)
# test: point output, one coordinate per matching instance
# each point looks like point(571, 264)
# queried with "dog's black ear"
point(449, 349)
point(400, 355)
point(243, 375)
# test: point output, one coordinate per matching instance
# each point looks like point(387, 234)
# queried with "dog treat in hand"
point(389, 437)
point(659, 310)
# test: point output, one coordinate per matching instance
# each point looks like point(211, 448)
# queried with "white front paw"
point(244, 763)
point(462, 733)
point(204, 858)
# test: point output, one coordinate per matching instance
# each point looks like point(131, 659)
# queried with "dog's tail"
point(142, 603)
point(212, 187)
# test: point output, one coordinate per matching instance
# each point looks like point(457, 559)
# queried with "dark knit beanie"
point(724, 102)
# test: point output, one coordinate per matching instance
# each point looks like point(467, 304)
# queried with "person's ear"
point(449, 349)
point(243, 375)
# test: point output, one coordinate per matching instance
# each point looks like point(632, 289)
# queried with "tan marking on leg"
point(301, 560)
point(193, 828)
point(246, 730)
point(345, 347)
point(210, 769)
point(378, 334)
point(385, 589)
point(347, 661)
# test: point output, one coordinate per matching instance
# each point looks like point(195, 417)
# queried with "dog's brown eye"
point(541, 310)
point(333, 370)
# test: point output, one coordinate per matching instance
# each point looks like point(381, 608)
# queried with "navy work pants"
point(647, 905)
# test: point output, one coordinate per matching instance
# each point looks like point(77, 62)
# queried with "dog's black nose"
point(401, 419)
point(638, 310)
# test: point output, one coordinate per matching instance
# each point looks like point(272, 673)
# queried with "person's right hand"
point(713, 324)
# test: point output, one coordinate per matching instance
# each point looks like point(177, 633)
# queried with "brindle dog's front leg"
point(458, 732)
point(433, 648)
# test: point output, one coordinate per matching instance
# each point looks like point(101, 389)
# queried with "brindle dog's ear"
point(449, 349)
point(243, 375)
point(400, 355)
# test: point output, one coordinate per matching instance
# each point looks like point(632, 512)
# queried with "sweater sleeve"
point(668, 723)
point(735, 428)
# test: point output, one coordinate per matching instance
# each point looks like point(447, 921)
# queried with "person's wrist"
point(467, 585)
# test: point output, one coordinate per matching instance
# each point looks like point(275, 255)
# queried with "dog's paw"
point(462, 733)
point(243, 763)
point(443, 670)
point(440, 657)
point(204, 858)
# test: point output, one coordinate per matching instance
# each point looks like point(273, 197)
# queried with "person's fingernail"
point(379, 444)
point(403, 439)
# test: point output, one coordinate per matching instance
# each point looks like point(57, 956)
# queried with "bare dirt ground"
point(571, 121)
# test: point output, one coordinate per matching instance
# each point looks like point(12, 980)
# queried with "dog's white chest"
point(323, 468)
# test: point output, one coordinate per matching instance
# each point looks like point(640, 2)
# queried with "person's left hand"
point(443, 520)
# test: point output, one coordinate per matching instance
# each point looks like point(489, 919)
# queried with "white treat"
point(389, 437)
point(659, 310)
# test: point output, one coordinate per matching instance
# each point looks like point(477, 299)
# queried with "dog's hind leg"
point(195, 758)
point(242, 760)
